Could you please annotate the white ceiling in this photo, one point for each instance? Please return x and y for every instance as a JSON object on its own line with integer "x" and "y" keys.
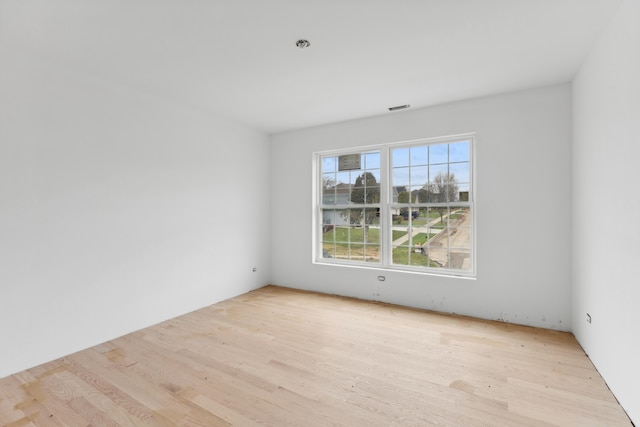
{"x": 238, "y": 59}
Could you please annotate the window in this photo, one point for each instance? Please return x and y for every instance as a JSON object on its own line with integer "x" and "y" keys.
{"x": 398, "y": 206}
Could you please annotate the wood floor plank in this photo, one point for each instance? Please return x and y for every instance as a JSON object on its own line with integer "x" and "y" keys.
{"x": 277, "y": 356}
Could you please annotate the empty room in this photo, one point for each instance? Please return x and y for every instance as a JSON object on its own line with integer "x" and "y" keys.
{"x": 313, "y": 213}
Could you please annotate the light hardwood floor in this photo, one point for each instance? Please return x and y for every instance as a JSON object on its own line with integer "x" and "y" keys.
{"x": 278, "y": 357}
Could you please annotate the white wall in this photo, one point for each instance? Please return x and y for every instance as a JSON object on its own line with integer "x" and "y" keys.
{"x": 117, "y": 210}
{"x": 606, "y": 206}
{"x": 523, "y": 208}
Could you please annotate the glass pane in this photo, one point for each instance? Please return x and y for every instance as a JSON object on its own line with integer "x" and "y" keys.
{"x": 372, "y": 253}
{"x": 341, "y": 234}
{"x": 419, "y": 155}
{"x": 372, "y": 161}
{"x": 460, "y": 237}
{"x": 329, "y": 196}
{"x": 400, "y": 157}
{"x": 459, "y": 151}
{"x": 418, "y": 194}
{"x": 329, "y": 189}
{"x": 460, "y": 259}
{"x": 399, "y": 227}
{"x": 341, "y": 217}
{"x": 367, "y": 179}
{"x": 438, "y": 153}
{"x": 356, "y": 216}
{"x": 329, "y": 164}
{"x": 328, "y": 180}
{"x": 372, "y": 195}
{"x": 375, "y": 176}
{"x": 358, "y": 234}
{"x": 372, "y": 216}
{"x": 460, "y": 217}
{"x": 356, "y": 252}
{"x": 463, "y": 192}
{"x": 438, "y": 248}
{"x": 400, "y": 255}
{"x": 438, "y": 217}
{"x": 342, "y": 193}
{"x": 421, "y": 219}
{"x": 328, "y": 250}
{"x": 328, "y": 216}
{"x": 356, "y": 178}
{"x": 419, "y": 175}
{"x": 459, "y": 172}
{"x": 400, "y": 195}
{"x": 400, "y": 177}
{"x": 342, "y": 178}
{"x": 438, "y": 172}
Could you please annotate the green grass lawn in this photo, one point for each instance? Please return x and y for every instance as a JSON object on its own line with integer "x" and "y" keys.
{"x": 407, "y": 256}
{"x": 396, "y": 234}
{"x": 421, "y": 238}
{"x": 342, "y": 235}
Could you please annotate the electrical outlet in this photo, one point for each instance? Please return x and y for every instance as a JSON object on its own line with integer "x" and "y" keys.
{"x": 588, "y": 318}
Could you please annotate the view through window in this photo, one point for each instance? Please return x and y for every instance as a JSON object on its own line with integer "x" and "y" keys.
{"x": 401, "y": 206}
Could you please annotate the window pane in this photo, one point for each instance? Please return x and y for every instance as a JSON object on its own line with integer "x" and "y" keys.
{"x": 419, "y": 175}
{"x": 459, "y": 171}
{"x": 365, "y": 189}
{"x": 418, "y": 194}
{"x": 372, "y": 161}
{"x": 419, "y": 155}
{"x": 328, "y": 250}
{"x": 341, "y": 234}
{"x": 400, "y": 177}
{"x": 406, "y": 255}
{"x": 438, "y": 249}
{"x": 400, "y": 195}
{"x": 356, "y": 252}
{"x": 460, "y": 260}
{"x": 356, "y": 178}
{"x": 438, "y": 171}
{"x": 375, "y": 176}
{"x": 341, "y": 217}
{"x": 329, "y": 164}
{"x": 438, "y": 153}
{"x": 342, "y": 178}
{"x": 328, "y": 216}
{"x": 438, "y": 217}
{"x": 328, "y": 189}
{"x": 372, "y": 194}
{"x": 399, "y": 157}
{"x": 372, "y": 216}
{"x": 356, "y": 216}
{"x": 459, "y": 151}
{"x": 460, "y": 230}
{"x": 372, "y": 253}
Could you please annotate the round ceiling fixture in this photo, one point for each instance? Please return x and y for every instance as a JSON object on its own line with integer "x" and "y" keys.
{"x": 302, "y": 43}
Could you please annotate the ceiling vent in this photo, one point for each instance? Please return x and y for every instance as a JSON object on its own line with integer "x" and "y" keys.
{"x": 399, "y": 107}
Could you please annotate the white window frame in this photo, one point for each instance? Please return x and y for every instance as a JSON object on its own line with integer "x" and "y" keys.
{"x": 386, "y": 204}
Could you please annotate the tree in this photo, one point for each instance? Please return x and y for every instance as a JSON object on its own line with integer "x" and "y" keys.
{"x": 328, "y": 183}
{"x": 443, "y": 188}
{"x": 365, "y": 191}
